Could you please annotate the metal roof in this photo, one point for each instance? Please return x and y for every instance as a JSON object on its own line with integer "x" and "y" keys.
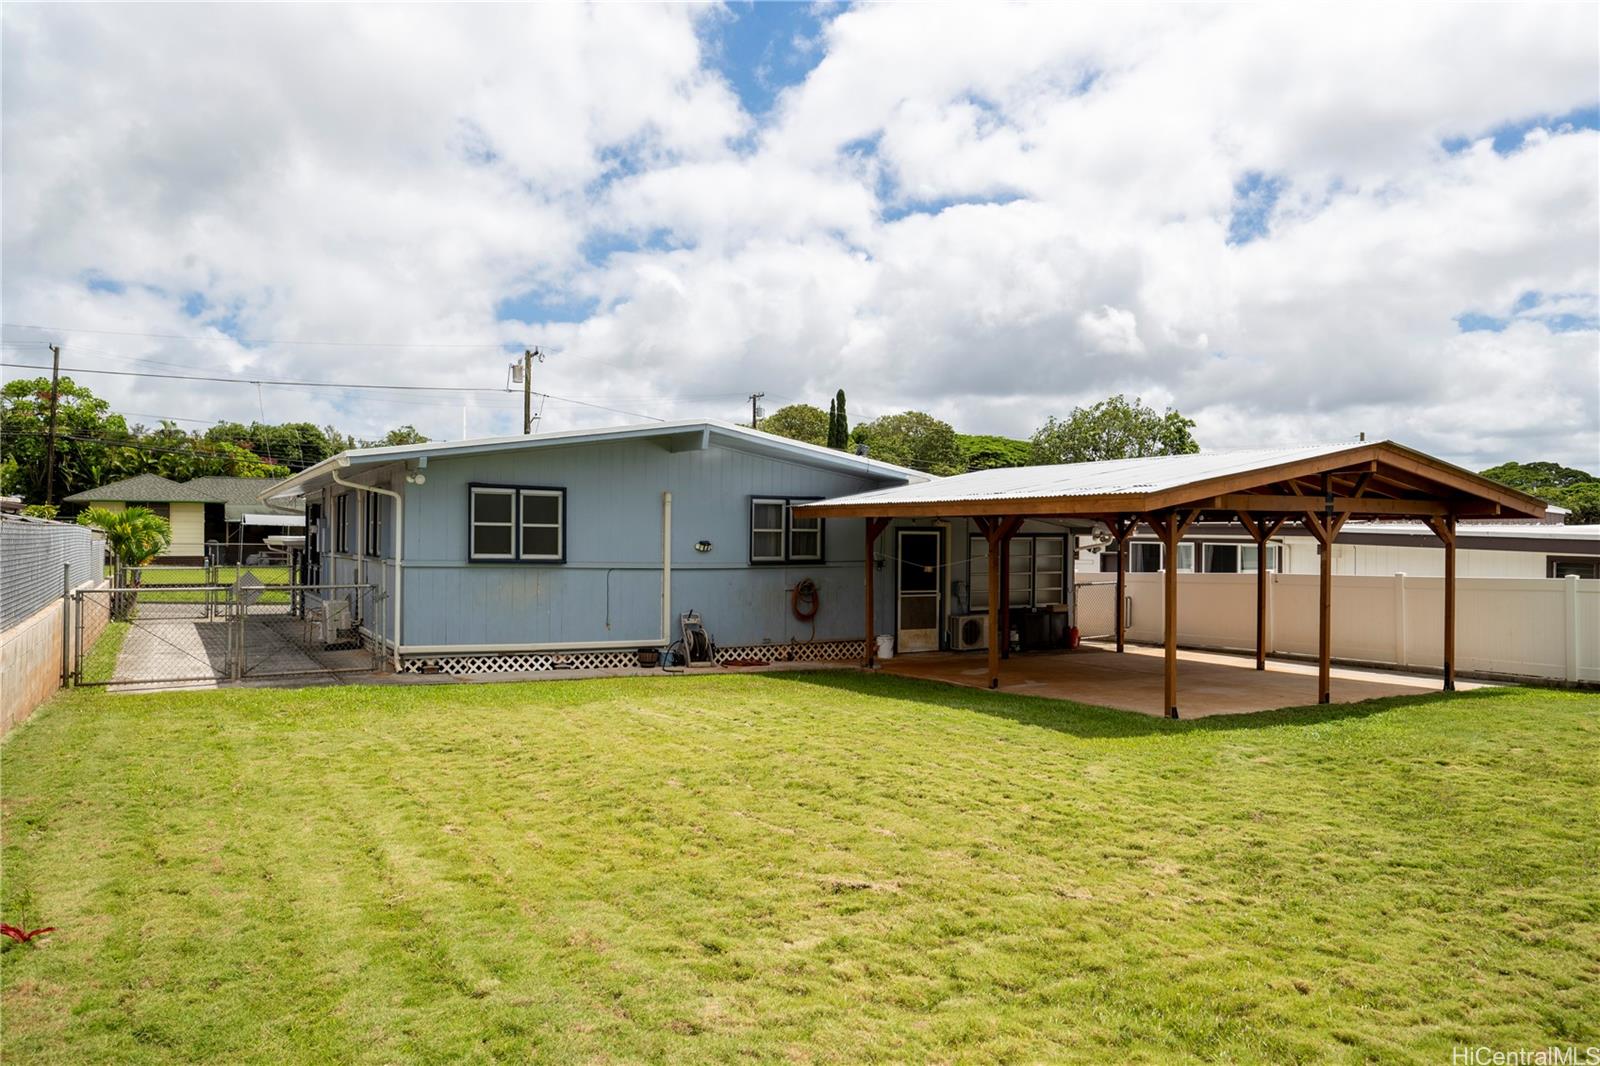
{"x": 735, "y": 435}
{"x": 1167, "y": 481}
{"x": 1115, "y": 477}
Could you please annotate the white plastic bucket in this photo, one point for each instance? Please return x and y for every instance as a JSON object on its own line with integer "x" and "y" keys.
{"x": 885, "y": 646}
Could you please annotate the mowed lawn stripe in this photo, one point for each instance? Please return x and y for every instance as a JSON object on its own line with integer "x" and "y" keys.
{"x": 828, "y": 867}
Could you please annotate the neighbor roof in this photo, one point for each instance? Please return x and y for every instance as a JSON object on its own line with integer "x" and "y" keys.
{"x": 153, "y": 488}
{"x": 689, "y": 433}
{"x": 142, "y": 488}
{"x": 1159, "y": 482}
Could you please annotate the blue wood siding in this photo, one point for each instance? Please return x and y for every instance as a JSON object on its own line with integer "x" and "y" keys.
{"x": 609, "y": 588}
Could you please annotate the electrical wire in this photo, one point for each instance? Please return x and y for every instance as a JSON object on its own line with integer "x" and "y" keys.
{"x": 281, "y": 383}
{"x": 496, "y": 345}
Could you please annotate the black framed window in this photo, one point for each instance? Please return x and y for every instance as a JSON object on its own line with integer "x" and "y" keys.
{"x": 516, "y": 524}
{"x": 778, "y": 535}
{"x": 541, "y": 523}
{"x": 341, "y": 523}
{"x": 1569, "y": 565}
{"x": 374, "y": 539}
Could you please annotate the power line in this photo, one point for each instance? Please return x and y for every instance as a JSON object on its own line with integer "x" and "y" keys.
{"x": 494, "y": 346}
{"x": 329, "y": 385}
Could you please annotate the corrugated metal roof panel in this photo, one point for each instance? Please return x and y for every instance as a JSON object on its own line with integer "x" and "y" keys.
{"x": 1111, "y": 478}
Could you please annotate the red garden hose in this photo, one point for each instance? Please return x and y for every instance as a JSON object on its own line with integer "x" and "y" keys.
{"x": 805, "y": 600}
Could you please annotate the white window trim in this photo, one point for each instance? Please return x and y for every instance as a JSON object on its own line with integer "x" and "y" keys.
{"x": 559, "y": 525}
{"x": 789, "y": 519}
{"x": 473, "y": 524}
{"x": 782, "y": 528}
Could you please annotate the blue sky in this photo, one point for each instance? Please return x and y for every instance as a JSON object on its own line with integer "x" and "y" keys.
{"x": 992, "y": 213}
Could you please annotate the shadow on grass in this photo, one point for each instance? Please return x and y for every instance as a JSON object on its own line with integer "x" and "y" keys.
{"x": 1090, "y": 720}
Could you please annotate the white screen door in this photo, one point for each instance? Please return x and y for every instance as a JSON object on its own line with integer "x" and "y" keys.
{"x": 917, "y": 609}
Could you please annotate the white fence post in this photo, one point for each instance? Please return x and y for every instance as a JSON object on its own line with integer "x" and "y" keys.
{"x": 1272, "y": 609}
{"x": 1572, "y": 626}
{"x": 1400, "y": 619}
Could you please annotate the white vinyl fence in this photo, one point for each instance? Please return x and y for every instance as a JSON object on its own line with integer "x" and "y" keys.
{"x": 1544, "y": 628}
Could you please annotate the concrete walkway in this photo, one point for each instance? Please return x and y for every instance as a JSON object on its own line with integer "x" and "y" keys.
{"x": 1208, "y": 682}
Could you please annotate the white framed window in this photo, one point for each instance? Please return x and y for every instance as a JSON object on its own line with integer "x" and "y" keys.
{"x": 778, "y": 535}
{"x": 517, "y": 523}
{"x": 1185, "y": 558}
{"x": 766, "y": 530}
{"x": 494, "y": 523}
{"x": 541, "y": 524}
{"x": 1247, "y": 558}
{"x": 805, "y": 537}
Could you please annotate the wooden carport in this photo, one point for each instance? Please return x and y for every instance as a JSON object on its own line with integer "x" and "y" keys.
{"x": 1320, "y": 487}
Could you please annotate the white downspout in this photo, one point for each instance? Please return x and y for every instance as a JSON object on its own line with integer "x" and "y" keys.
{"x": 666, "y": 568}
{"x": 399, "y": 551}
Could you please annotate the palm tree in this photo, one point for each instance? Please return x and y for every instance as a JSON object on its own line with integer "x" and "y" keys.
{"x": 135, "y": 535}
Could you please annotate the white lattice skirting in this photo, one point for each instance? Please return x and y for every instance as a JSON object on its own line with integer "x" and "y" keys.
{"x": 523, "y": 662}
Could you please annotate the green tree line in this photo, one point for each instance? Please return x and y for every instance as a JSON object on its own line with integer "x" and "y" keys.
{"x": 95, "y": 445}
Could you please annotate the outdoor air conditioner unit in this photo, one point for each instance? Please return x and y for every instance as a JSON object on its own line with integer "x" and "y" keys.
{"x": 969, "y": 632}
{"x": 333, "y": 622}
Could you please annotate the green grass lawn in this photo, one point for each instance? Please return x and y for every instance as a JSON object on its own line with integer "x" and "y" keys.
{"x": 151, "y": 579}
{"x": 826, "y": 867}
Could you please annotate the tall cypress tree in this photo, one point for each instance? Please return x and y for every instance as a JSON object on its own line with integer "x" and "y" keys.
{"x": 838, "y": 424}
{"x": 833, "y": 421}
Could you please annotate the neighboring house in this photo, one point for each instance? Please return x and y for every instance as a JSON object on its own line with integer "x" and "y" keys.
{"x": 1485, "y": 549}
{"x": 201, "y": 510}
{"x": 579, "y": 548}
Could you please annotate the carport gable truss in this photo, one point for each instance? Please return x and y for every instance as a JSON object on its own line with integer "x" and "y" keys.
{"x": 1320, "y": 487}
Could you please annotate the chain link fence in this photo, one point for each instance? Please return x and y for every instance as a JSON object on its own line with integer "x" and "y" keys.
{"x": 1097, "y": 609}
{"x": 162, "y": 633}
{"x": 32, "y": 554}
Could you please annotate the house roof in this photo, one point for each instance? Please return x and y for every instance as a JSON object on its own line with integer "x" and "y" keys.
{"x": 143, "y": 488}
{"x": 153, "y": 488}
{"x": 1392, "y": 472}
{"x": 677, "y": 436}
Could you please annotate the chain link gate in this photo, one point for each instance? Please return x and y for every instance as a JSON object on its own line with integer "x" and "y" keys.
{"x": 160, "y": 634}
{"x": 1096, "y": 603}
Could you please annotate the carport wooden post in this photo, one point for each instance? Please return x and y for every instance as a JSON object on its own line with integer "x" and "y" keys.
{"x": 1260, "y": 533}
{"x": 997, "y": 531}
{"x": 1444, "y": 527}
{"x": 1325, "y": 528}
{"x": 1170, "y": 528}
{"x": 1004, "y": 591}
{"x": 875, "y": 526}
{"x": 1120, "y": 529}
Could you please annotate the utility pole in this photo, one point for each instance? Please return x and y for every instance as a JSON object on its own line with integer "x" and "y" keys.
{"x": 50, "y": 448}
{"x": 755, "y": 409}
{"x": 526, "y": 376}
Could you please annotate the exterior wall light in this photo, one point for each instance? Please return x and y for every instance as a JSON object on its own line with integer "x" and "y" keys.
{"x": 702, "y": 546}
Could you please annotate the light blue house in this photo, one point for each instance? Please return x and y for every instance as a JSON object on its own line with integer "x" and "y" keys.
{"x": 580, "y": 548}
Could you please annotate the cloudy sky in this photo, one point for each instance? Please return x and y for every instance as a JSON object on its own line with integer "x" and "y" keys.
{"x": 1290, "y": 222}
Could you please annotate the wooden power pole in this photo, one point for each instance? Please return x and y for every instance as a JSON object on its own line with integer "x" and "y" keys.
{"x": 528, "y": 356}
{"x": 50, "y": 446}
{"x": 755, "y": 409}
